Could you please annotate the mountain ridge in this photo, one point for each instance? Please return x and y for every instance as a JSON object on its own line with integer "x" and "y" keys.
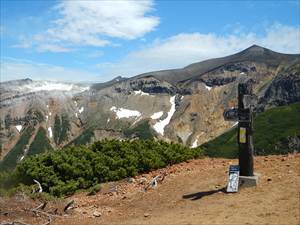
{"x": 115, "y": 108}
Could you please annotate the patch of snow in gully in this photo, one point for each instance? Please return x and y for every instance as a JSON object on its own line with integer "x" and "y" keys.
{"x": 50, "y": 132}
{"x": 208, "y": 87}
{"x": 195, "y": 144}
{"x": 81, "y": 109}
{"x": 19, "y": 127}
{"x": 125, "y": 113}
{"x": 140, "y": 92}
{"x": 157, "y": 115}
{"x": 159, "y": 127}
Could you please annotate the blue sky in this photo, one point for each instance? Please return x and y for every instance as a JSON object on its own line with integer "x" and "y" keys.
{"x": 99, "y": 40}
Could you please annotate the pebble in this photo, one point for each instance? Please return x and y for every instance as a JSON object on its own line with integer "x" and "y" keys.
{"x": 146, "y": 214}
{"x": 97, "y": 214}
{"x": 131, "y": 180}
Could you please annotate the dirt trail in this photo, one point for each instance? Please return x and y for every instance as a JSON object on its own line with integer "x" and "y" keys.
{"x": 192, "y": 193}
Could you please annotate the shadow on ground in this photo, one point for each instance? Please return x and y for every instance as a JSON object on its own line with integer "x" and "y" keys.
{"x": 199, "y": 195}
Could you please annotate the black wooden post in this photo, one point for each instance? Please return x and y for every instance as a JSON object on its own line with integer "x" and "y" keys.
{"x": 245, "y": 128}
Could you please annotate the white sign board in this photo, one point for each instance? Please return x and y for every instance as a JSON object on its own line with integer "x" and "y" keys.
{"x": 233, "y": 181}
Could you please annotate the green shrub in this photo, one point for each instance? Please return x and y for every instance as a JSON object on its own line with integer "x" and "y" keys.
{"x": 84, "y": 138}
{"x": 61, "y": 128}
{"x": 95, "y": 189}
{"x": 56, "y": 129}
{"x": 65, "y": 127}
{"x": 67, "y": 170}
{"x": 142, "y": 131}
{"x": 40, "y": 143}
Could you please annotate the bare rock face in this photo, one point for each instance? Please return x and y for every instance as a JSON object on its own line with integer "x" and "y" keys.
{"x": 184, "y": 105}
{"x": 285, "y": 87}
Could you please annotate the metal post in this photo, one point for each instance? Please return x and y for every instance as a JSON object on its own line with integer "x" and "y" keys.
{"x": 245, "y": 128}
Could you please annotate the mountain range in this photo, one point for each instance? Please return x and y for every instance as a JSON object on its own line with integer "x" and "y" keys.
{"x": 181, "y": 105}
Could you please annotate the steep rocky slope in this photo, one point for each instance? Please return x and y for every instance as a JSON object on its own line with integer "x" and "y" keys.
{"x": 184, "y": 105}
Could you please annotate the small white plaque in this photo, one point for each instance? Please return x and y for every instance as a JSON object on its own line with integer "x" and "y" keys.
{"x": 233, "y": 180}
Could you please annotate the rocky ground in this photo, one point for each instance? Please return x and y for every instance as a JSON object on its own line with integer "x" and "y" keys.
{"x": 187, "y": 193}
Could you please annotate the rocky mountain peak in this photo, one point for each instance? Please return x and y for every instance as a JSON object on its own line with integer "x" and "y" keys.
{"x": 255, "y": 49}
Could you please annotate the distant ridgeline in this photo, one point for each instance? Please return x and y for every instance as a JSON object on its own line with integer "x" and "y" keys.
{"x": 276, "y": 131}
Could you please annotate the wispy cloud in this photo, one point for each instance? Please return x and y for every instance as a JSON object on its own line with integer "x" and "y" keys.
{"x": 173, "y": 52}
{"x": 94, "y": 23}
{"x": 13, "y": 69}
{"x": 185, "y": 48}
{"x": 52, "y": 48}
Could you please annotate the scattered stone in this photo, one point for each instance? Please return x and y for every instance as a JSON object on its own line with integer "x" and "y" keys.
{"x": 69, "y": 205}
{"x": 97, "y": 214}
{"x": 269, "y": 179}
{"x": 143, "y": 180}
{"x": 131, "y": 180}
{"x": 146, "y": 214}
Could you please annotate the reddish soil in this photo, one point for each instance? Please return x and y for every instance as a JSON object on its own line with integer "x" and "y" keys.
{"x": 190, "y": 193}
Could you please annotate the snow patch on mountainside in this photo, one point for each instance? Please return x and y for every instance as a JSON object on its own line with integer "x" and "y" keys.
{"x": 124, "y": 113}
{"x": 157, "y": 115}
{"x": 19, "y": 127}
{"x": 81, "y": 109}
{"x": 140, "y": 92}
{"x": 50, "y": 132}
{"x": 195, "y": 144}
{"x": 208, "y": 87}
{"x": 159, "y": 127}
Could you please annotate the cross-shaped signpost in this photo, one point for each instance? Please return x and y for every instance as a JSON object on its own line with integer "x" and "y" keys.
{"x": 242, "y": 175}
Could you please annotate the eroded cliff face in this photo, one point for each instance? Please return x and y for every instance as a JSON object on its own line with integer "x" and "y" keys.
{"x": 188, "y": 110}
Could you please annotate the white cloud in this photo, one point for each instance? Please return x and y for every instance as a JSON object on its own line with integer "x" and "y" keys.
{"x": 52, "y": 48}
{"x": 93, "y": 23}
{"x": 13, "y": 69}
{"x": 186, "y": 48}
